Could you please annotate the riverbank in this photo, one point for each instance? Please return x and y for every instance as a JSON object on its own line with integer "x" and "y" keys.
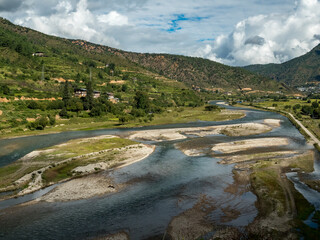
{"x": 170, "y": 116}
{"x": 245, "y": 129}
{"x": 73, "y": 159}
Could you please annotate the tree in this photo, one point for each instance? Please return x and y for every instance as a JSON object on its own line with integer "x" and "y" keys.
{"x": 123, "y": 119}
{"x": 296, "y": 106}
{"x": 211, "y": 108}
{"x": 315, "y": 104}
{"x": 64, "y": 113}
{"x": 287, "y": 107}
{"x": 5, "y": 90}
{"x": 89, "y": 97}
{"x": 142, "y": 101}
{"x": 316, "y": 113}
{"x": 66, "y": 95}
{"x": 38, "y": 124}
{"x": 112, "y": 66}
{"x": 52, "y": 119}
{"x": 306, "y": 110}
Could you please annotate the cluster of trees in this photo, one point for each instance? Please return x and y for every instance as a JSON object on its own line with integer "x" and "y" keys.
{"x": 42, "y": 122}
{"x": 4, "y": 89}
{"x": 15, "y": 42}
{"x": 212, "y": 108}
{"x": 312, "y": 110}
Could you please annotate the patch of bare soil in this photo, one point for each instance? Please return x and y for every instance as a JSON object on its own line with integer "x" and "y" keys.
{"x": 120, "y": 82}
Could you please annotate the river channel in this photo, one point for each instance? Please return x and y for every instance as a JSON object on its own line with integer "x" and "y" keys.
{"x": 161, "y": 187}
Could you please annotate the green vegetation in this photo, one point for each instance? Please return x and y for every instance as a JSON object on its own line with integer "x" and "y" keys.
{"x": 129, "y": 94}
{"x": 171, "y": 115}
{"x": 305, "y": 110}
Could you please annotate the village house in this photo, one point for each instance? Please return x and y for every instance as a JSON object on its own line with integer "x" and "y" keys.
{"x": 38, "y": 54}
{"x": 96, "y": 94}
{"x": 111, "y": 98}
{"x": 196, "y": 88}
{"x": 82, "y": 92}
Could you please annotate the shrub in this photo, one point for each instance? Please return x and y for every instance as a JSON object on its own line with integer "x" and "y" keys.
{"x": 123, "y": 119}
{"x": 52, "y": 120}
{"x": 211, "y": 108}
{"x": 64, "y": 113}
{"x": 39, "y": 124}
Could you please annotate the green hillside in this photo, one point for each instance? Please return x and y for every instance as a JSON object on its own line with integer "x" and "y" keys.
{"x": 44, "y": 76}
{"x": 295, "y": 72}
{"x": 39, "y": 75}
{"x": 199, "y": 72}
{"x": 70, "y": 59}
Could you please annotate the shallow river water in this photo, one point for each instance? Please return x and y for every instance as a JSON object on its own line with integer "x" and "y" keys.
{"x": 161, "y": 187}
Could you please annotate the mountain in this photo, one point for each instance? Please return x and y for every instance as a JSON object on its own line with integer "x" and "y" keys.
{"x": 70, "y": 59}
{"x": 295, "y": 72}
{"x": 198, "y": 71}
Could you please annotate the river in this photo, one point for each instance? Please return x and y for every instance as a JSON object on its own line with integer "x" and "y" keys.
{"x": 162, "y": 186}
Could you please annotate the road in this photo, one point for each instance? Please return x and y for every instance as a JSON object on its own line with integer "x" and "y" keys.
{"x": 314, "y": 138}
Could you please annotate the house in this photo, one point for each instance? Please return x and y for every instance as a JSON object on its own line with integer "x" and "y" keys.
{"x": 96, "y": 94}
{"x": 82, "y": 92}
{"x": 196, "y": 88}
{"x": 38, "y": 54}
{"x": 113, "y": 99}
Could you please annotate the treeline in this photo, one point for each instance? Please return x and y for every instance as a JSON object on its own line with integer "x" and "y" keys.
{"x": 312, "y": 110}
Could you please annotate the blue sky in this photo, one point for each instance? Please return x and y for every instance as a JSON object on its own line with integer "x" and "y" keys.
{"x": 229, "y": 31}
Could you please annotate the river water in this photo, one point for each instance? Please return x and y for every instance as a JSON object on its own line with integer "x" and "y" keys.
{"x": 162, "y": 186}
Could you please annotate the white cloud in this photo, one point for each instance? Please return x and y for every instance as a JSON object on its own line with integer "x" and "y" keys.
{"x": 78, "y": 23}
{"x": 275, "y": 33}
{"x": 64, "y": 6}
{"x": 113, "y": 19}
{"x": 272, "y": 38}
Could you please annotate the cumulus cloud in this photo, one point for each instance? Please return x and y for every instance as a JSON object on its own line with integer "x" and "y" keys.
{"x": 76, "y": 22}
{"x": 256, "y": 40}
{"x": 196, "y": 28}
{"x": 113, "y": 19}
{"x": 272, "y": 38}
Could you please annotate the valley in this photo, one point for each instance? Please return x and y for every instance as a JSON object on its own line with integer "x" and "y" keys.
{"x": 101, "y": 143}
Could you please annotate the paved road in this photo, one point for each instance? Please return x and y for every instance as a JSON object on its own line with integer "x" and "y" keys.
{"x": 314, "y": 138}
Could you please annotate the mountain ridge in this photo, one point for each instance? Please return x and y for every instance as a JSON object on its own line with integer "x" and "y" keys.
{"x": 188, "y": 70}
{"x": 297, "y": 71}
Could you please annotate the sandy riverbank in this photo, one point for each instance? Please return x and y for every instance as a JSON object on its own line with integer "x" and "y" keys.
{"x": 244, "y": 129}
{"x": 97, "y": 184}
{"x": 96, "y": 161}
{"x": 237, "y": 146}
{"x": 81, "y": 188}
{"x": 250, "y": 157}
